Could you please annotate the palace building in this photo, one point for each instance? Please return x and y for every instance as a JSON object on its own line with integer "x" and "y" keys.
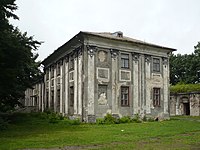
{"x": 98, "y": 73}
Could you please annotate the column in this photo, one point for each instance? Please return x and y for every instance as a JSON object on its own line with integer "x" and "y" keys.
{"x": 80, "y": 73}
{"x": 90, "y": 91}
{"x": 66, "y": 99}
{"x": 49, "y": 97}
{"x": 61, "y": 87}
{"x": 114, "y": 54}
{"x": 54, "y": 88}
{"x": 135, "y": 82}
{"x": 43, "y": 95}
{"x": 166, "y": 85}
{"x": 148, "y": 84}
{"x": 142, "y": 85}
{"x": 75, "y": 85}
{"x": 39, "y": 95}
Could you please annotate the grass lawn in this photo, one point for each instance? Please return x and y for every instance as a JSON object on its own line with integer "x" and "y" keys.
{"x": 29, "y": 131}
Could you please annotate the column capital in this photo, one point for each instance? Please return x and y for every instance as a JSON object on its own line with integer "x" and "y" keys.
{"x": 91, "y": 50}
{"x": 135, "y": 56}
{"x": 147, "y": 58}
{"x": 165, "y": 61}
{"x": 114, "y": 53}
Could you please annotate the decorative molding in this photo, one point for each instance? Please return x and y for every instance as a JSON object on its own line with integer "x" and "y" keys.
{"x": 66, "y": 58}
{"x": 103, "y": 74}
{"x": 80, "y": 52}
{"x": 135, "y": 56}
{"x": 102, "y": 56}
{"x": 148, "y": 58}
{"x": 91, "y": 50}
{"x": 165, "y": 61}
{"x": 125, "y": 75}
{"x": 114, "y": 53}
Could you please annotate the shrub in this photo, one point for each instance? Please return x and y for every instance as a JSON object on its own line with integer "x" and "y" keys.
{"x": 109, "y": 119}
{"x": 100, "y": 121}
{"x": 150, "y": 120}
{"x": 75, "y": 122}
{"x": 144, "y": 118}
{"x": 136, "y": 118}
{"x": 125, "y": 119}
{"x": 182, "y": 88}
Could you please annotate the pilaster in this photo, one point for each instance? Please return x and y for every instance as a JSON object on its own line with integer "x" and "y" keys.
{"x": 147, "y": 83}
{"x": 55, "y": 89}
{"x": 91, "y": 80}
{"x": 61, "y": 87}
{"x": 166, "y": 85}
{"x": 80, "y": 73}
{"x": 75, "y": 85}
{"x": 49, "y": 93}
{"x": 66, "y": 97}
{"x": 136, "y": 58}
{"x": 114, "y": 57}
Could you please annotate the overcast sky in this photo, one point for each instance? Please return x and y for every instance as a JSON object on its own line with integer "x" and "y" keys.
{"x": 171, "y": 23}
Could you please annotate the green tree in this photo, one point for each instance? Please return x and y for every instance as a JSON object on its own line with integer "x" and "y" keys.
{"x": 185, "y": 68}
{"x": 18, "y": 66}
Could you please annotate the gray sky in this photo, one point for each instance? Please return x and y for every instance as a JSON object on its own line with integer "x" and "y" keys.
{"x": 171, "y": 23}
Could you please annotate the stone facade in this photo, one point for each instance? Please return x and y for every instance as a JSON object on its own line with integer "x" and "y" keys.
{"x": 185, "y": 104}
{"x": 98, "y": 73}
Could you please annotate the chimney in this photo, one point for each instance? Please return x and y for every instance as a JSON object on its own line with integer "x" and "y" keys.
{"x": 118, "y": 34}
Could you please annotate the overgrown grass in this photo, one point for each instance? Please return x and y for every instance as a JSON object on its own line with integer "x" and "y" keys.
{"x": 32, "y": 131}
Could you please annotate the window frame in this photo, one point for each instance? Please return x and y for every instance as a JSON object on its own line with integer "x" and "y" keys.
{"x": 156, "y": 66}
{"x": 156, "y": 97}
{"x": 125, "y": 102}
{"x": 125, "y": 60}
{"x": 71, "y": 100}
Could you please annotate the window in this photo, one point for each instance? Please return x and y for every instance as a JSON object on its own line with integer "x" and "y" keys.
{"x": 71, "y": 63}
{"x": 52, "y": 82}
{"x": 47, "y": 75}
{"x": 52, "y": 99}
{"x": 156, "y": 97}
{"x": 52, "y": 72}
{"x": 156, "y": 64}
{"x": 58, "y": 100}
{"x": 124, "y": 96}
{"x": 58, "y": 69}
{"x": 71, "y": 96}
{"x": 124, "y": 60}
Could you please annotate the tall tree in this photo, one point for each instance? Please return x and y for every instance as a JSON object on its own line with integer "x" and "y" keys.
{"x": 185, "y": 68}
{"x": 18, "y": 66}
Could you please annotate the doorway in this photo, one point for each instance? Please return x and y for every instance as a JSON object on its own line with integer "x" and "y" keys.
{"x": 186, "y": 108}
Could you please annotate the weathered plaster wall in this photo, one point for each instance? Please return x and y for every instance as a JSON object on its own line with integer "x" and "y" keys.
{"x": 185, "y": 104}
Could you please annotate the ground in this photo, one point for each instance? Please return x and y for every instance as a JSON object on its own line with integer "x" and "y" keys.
{"x": 32, "y": 132}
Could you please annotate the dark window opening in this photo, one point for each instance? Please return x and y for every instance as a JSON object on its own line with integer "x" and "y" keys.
{"x": 124, "y": 96}
{"x": 52, "y": 99}
{"x": 156, "y": 64}
{"x": 71, "y": 96}
{"x": 124, "y": 61}
{"x": 156, "y": 97}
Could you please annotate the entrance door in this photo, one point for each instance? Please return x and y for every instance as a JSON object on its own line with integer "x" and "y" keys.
{"x": 186, "y": 108}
